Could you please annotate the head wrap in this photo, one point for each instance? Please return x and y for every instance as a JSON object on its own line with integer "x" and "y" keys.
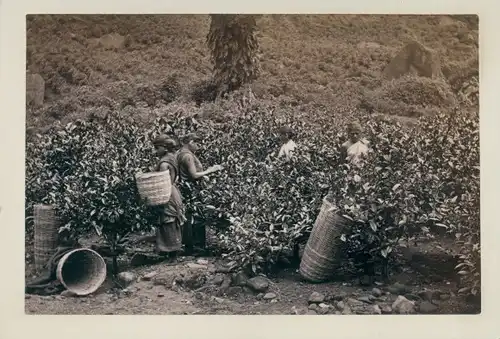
{"x": 190, "y": 137}
{"x": 165, "y": 141}
{"x": 354, "y": 127}
{"x": 286, "y": 131}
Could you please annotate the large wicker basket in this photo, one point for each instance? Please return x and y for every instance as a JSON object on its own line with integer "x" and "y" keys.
{"x": 46, "y": 235}
{"x": 154, "y": 187}
{"x": 82, "y": 271}
{"x": 320, "y": 258}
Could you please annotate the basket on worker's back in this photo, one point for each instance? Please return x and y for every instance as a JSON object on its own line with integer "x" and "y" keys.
{"x": 46, "y": 235}
{"x": 322, "y": 251}
{"x": 82, "y": 271}
{"x": 154, "y": 187}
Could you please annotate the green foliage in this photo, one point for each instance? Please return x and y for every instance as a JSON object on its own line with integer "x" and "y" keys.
{"x": 415, "y": 181}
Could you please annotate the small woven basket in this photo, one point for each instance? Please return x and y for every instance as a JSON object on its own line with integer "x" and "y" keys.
{"x": 154, "y": 187}
{"x": 320, "y": 258}
{"x": 82, "y": 271}
{"x": 46, "y": 235}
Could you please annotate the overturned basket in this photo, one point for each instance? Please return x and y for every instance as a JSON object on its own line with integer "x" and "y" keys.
{"x": 46, "y": 234}
{"x": 321, "y": 255}
{"x": 154, "y": 187}
{"x": 82, "y": 271}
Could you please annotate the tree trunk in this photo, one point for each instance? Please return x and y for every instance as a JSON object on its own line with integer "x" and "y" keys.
{"x": 234, "y": 50}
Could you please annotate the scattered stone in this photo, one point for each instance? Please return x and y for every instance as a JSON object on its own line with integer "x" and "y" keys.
{"x": 429, "y": 295}
{"x": 217, "y": 280}
{"x": 387, "y": 309}
{"x": 377, "y": 292}
{"x": 239, "y": 279}
{"x": 311, "y": 312}
{"x": 126, "y": 278}
{"x": 202, "y": 262}
{"x": 269, "y": 296}
{"x": 365, "y": 299}
{"x": 150, "y": 275}
{"x": 196, "y": 266}
{"x": 376, "y": 309}
{"x": 323, "y": 310}
{"x": 258, "y": 284}
{"x": 323, "y": 305}
{"x": 403, "y": 305}
{"x": 247, "y": 290}
{"x": 340, "y": 296}
{"x": 347, "y": 310}
{"x": 193, "y": 280}
{"x": 397, "y": 288}
{"x": 68, "y": 294}
{"x": 234, "y": 291}
{"x": 219, "y": 300}
{"x": 338, "y": 312}
{"x": 354, "y": 302}
{"x": 313, "y": 307}
{"x": 274, "y": 301}
{"x": 426, "y": 295}
{"x": 316, "y": 298}
{"x": 444, "y": 297}
{"x": 165, "y": 279}
{"x": 340, "y": 305}
{"x": 260, "y": 296}
{"x": 427, "y": 307}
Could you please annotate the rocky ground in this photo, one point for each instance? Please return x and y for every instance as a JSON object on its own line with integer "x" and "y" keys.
{"x": 204, "y": 286}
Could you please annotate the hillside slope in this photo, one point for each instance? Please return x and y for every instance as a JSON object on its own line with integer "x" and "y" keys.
{"x": 316, "y": 60}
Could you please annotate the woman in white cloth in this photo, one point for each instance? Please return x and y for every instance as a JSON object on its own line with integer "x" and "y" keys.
{"x": 356, "y": 146}
{"x": 288, "y": 147}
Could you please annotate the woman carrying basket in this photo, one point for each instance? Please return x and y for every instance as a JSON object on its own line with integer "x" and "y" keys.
{"x": 172, "y": 217}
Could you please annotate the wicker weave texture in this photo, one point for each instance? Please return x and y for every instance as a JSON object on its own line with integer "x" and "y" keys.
{"x": 320, "y": 258}
{"x": 155, "y": 187}
{"x": 46, "y": 235}
{"x": 82, "y": 271}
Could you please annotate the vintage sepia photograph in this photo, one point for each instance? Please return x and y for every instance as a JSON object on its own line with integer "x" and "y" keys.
{"x": 256, "y": 164}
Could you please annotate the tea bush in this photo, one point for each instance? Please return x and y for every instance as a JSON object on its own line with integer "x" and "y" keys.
{"x": 414, "y": 181}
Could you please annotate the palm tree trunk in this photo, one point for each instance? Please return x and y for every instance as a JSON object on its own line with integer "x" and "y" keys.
{"x": 234, "y": 50}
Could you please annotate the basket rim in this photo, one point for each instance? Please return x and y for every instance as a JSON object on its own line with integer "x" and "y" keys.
{"x": 143, "y": 175}
{"x": 62, "y": 261}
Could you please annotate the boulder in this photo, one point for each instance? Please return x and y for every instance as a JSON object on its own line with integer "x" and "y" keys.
{"x": 414, "y": 58}
{"x": 35, "y": 90}
{"x": 258, "y": 284}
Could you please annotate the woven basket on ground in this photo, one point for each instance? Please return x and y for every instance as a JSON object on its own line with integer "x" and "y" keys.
{"x": 155, "y": 187}
{"x": 46, "y": 235}
{"x": 82, "y": 271}
{"x": 320, "y": 258}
